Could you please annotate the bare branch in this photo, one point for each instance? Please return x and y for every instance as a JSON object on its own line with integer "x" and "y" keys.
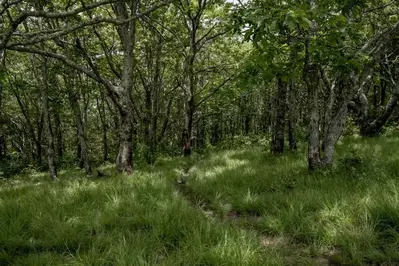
{"x": 380, "y": 7}
{"x": 44, "y": 14}
{"x": 214, "y": 91}
{"x": 5, "y": 5}
{"x": 210, "y": 38}
{"x": 56, "y": 34}
{"x": 60, "y": 57}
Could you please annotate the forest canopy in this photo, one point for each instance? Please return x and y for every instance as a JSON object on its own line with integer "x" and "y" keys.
{"x": 199, "y": 132}
{"x": 86, "y": 82}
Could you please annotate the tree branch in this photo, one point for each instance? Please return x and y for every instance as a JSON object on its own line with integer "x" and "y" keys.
{"x": 44, "y": 14}
{"x": 94, "y": 21}
{"x": 380, "y": 7}
{"x": 214, "y": 91}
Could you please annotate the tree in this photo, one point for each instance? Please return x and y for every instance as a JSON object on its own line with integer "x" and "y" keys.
{"x": 120, "y": 91}
{"x": 202, "y": 28}
{"x": 326, "y": 40}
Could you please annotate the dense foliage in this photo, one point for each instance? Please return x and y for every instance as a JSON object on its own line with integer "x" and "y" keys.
{"x": 276, "y": 108}
{"x": 134, "y": 79}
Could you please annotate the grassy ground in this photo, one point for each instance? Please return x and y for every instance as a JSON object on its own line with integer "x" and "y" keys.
{"x": 237, "y": 207}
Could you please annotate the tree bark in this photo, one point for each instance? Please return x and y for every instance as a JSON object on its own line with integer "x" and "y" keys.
{"x": 102, "y": 114}
{"x": 79, "y": 159}
{"x": 189, "y": 105}
{"x": 373, "y": 128}
{"x": 148, "y": 126}
{"x": 47, "y": 121}
{"x": 124, "y": 159}
{"x": 84, "y": 154}
{"x": 58, "y": 133}
{"x": 312, "y": 81}
{"x": 165, "y": 122}
{"x": 118, "y": 88}
{"x": 39, "y": 139}
{"x": 192, "y": 19}
{"x": 334, "y": 131}
{"x": 127, "y": 34}
{"x": 291, "y": 135}
{"x": 292, "y": 117}
{"x": 31, "y": 132}
{"x": 188, "y": 110}
{"x": 277, "y": 145}
{"x": 3, "y": 148}
{"x": 2, "y": 137}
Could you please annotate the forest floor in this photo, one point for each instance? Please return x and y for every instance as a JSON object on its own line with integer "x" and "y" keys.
{"x": 233, "y": 207}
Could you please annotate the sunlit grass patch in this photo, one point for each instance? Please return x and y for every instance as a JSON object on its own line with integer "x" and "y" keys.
{"x": 340, "y": 209}
{"x": 261, "y": 210}
{"x": 139, "y": 220}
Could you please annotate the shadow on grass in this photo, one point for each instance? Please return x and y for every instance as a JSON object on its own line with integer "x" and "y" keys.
{"x": 142, "y": 220}
{"x": 138, "y": 220}
{"x": 340, "y": 209}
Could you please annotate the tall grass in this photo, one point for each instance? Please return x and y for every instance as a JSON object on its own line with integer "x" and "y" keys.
{"x": 349, "y": 214}
{"x": 265, "y": 210}
{"x": 116, "y": 221}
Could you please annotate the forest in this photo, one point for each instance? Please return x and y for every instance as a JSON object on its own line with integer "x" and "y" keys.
{"x": 199, "y": 132}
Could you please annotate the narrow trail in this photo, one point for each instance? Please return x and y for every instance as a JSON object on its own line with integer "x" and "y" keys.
{"x": 240, "y": 221}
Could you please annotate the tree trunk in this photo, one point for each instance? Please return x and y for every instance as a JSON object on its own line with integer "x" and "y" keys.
{"x": 312, "y": 80}
{"x": 2, "y": 137}
{"x": 330, "y": 89}
{"x": 165, "y": 122}
{"x": 153, "y": 138}
{"x": 200, "y": 140}
{"x": 188, "y": 128}
{"x": 116, "y": 123}
{"x": 84, "y": 155}
{"x": 78, "y": 154}
{"x": 375, "y": 101}
{"x": 189, "y": 106}
{"x": 3, "y": 148}
{"x": 152, "y": 101}
{"x": 383, "y": 87}
{"x": 188, "y": 111}
{"x": 36, "y": 140}
{"x": 334, "y": 123}
{"x": 186, "y": 143}
{"x": 375, "y": 127}
{"x": 127, "y": 34}
{"x": 277, "y": 145}
{"x": 58, "y": 133}
{"x": 47, "y": 122}
{"x": 334, "y": 131}
{"x": 105, "y": 142}
{"x": 39, "y": 140}
{"x": 247, "y": 122}
{"x": 125, "y": 155}
{"x": 291, "y": 135}
{"x": 102, "y": 114}
{"x": 363, "y": 111}
{"x": 149, "y": 118}
{"x": 292, "y": 117}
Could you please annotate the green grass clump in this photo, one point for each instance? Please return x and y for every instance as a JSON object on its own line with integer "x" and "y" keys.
{"x": 237, "y": 207}
{"x": 349, "y": 214}
{"x": 139, "y": 220}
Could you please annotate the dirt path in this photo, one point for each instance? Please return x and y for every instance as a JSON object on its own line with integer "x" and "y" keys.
{"x": 241, "y": 221}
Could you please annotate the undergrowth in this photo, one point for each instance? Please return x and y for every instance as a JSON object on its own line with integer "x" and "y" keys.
{"x": 349, "y": 214}
{"x": 265, "y": 210}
